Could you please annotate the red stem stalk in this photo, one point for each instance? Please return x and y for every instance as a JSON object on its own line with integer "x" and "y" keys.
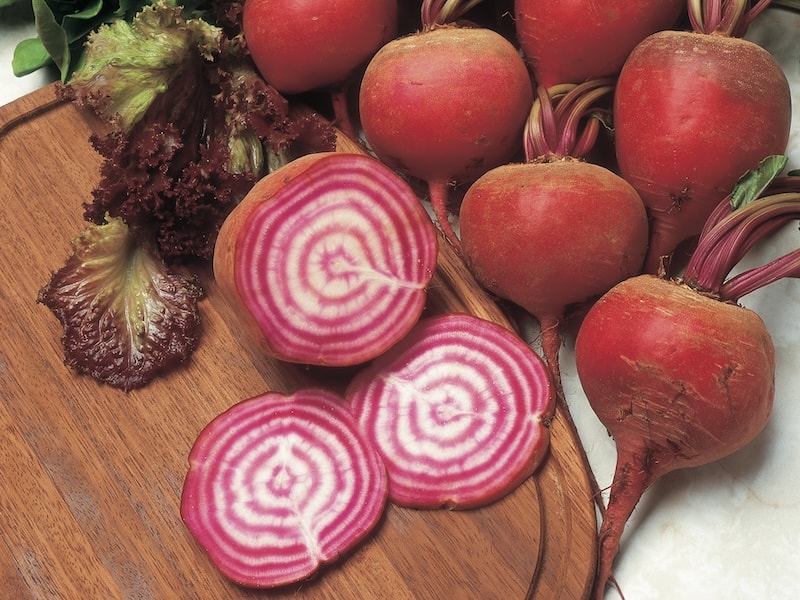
{"x": 725, "y": 241}
{"x": 724, "y": 17}
{"x": 439, "y": 12}
{"x": 564, "y": 120}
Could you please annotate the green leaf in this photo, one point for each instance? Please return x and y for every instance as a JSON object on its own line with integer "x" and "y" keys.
{"x": 76, "y": 25}
{"x": 52, "y": 35}
{"x": 753, "y": 183}
{"x": 4, "y": 3}
{"x": 29, "y": 56}
{"x": 131, "y": 64}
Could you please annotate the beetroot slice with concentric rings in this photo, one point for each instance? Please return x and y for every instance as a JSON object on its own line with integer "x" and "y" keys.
{"x": 279, "y": 485}
{"x": 457, "y": 410}
{"x": 329, "y": 259}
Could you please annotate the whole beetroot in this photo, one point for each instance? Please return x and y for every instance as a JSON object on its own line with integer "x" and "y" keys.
{"x": 693, "y": 110}
{"x": 557, "y": 230}
{"x": 429, "y": 107}
{"x": 678, "y": 372}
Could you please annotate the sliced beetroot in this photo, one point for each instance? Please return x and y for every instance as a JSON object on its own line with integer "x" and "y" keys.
{"x": 328, "y": 259}
{"x": 279, "y": 485}
{"x": 457, "y": 410}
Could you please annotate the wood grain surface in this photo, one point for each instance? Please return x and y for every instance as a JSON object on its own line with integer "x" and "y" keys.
{"x": 90, "y": 477}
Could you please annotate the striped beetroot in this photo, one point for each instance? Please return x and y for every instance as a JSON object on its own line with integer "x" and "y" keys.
{"x": 279, "y": 485}
{"x": 457, "y": 410}
{"x": 328, "y": 259}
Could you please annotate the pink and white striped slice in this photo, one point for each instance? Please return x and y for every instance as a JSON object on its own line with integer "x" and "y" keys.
{"x": 335, "y": 266}
{"x": 279, "y": 485}
{"x": 457, "y": 411}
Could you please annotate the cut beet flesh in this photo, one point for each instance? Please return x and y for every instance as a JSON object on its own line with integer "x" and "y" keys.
{"x": 329, "y": 259}
{"x": 279, "y": 485}
{"x": 457, "y": 411}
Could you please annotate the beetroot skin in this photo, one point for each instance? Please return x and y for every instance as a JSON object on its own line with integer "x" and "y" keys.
{"x": 679, "y": 379}
{"x": 571, "y": 41}
{"x": 692, "y": 113}
{"x": 547, "y": 235}
{"x": 300, "y": 46}
{"x": 429, "y": 105}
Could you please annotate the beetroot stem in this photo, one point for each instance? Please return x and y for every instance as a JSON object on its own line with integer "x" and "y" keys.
{"x": 439, "y": 12}
{"x": 553, "y": 128}
{"x": 732, "y": 15}
{"x": 540, "y": 127}
{"x": 751, "y": 14}
{"x": 580, "y": 102}
{"x": 787, "y": 265}
{"x": 725, "y": 17}
{"x": 721, "y": 247}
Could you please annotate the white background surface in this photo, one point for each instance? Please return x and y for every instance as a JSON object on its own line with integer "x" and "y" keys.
{"x": 730, "y": 530}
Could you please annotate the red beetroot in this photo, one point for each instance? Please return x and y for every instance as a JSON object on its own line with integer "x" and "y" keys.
{"x": 679, "y": 373}
{"x": 557, "y": 230}
{"x": 327, "y": 259}
{"x": 678, "y": 378}
{"x": 312, "y": 44}
{"x": 429, "y": 105}
{"x": 279, "y": 485}
{"x": 692, "y": 112}
{"x": 572, "y": 41}
{"x": 457, "y": 410}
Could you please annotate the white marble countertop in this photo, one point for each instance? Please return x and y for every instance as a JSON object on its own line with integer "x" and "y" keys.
{"x": 730, "y": 530}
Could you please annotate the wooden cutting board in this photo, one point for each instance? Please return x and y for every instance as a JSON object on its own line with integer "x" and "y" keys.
{"x": 91, "y": 477}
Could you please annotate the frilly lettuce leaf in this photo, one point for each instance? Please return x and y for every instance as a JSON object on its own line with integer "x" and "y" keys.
{"x": 189, "y": 121}
{"x": 127, "y": 65}
{"x": 62, "y": 27}
{"x": 126, "y": 317}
